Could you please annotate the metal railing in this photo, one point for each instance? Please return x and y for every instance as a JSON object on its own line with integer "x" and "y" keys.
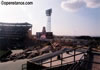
{"x": 61, "y": 64}
{"x": 24, "y": 66}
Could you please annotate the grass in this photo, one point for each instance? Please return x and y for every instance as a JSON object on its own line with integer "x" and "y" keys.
{"x": 2, "y": 52}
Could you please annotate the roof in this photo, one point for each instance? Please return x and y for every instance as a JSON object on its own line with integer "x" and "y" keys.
{"x": 15, "y": 24}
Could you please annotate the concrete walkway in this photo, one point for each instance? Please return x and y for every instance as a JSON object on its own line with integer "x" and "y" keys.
{"x": 11, "y": 65}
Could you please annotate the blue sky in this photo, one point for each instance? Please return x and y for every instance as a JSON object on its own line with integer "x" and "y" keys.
{"x": 69, "y": 17}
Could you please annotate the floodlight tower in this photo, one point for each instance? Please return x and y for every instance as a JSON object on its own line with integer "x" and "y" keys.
{"x": 48, "y": 14}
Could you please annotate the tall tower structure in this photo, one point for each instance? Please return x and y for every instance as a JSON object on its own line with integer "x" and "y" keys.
{"x": 48, "y": 14}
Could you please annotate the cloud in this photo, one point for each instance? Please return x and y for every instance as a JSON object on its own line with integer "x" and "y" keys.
{"x": 92, "y": 3}
{"x": 72, "y": 5}
{"x": 75, "y": 5}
